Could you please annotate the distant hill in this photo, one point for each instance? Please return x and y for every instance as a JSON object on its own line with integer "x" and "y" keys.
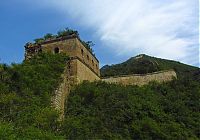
{"x": 142, "y": 64}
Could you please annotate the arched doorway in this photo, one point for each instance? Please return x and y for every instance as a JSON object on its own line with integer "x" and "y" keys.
{"x": 56, "y": 50}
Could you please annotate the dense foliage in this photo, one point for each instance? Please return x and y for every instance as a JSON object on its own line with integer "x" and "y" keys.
{"x": 25, "y": 98}
{"x": 61, "y": 33}
{"x": 156, "y": 111}
{"x": 143, "y": 64}
{"x": 96, "y": 110}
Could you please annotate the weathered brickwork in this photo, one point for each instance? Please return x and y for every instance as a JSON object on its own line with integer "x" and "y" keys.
{"x": 83, "y": 72}
{"x": 142, "y": 79}
{"x": 70, "y": 45}
{"x": 83, "y": 65}
{"x": 61, "y": 93}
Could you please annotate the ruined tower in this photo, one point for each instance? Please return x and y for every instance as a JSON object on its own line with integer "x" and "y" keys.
{"x": 83, "y": 65}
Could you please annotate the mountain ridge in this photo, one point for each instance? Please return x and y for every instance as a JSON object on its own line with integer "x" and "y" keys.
{"x": 142, "y": 64}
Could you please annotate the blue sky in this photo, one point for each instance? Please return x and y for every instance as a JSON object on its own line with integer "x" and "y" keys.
{"x": 120, "y": 29}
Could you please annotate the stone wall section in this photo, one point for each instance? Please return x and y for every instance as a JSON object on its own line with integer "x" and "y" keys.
{"x": 75, "y": 72}
{"x": 67, "y": 47}
{"x": 63, "y": 90}
{"x": 83, "y": 65}
{"x": 87, "y": 57}
{"x": 142, "y": 79}
{"x": 84, "y": 73}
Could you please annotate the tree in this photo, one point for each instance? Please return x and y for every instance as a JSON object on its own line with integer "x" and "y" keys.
{"x": 67, "y": 32}
{"x": 88, "y": 45}
{"x": 39, "y": 40}
{"x": 48, "y": 36}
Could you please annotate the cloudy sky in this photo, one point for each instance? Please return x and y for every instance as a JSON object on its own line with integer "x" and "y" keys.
{"x": 119, "y": 28}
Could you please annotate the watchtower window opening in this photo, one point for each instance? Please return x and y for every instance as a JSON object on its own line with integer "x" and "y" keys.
{"x": 82, "y": 52}
{"x": 92, "y": 62}
{"x": 88, "y": 57}
{"x": 56, "y": 50}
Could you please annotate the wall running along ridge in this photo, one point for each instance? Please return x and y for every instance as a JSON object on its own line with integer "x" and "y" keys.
{"x": 142, "y": 79}
{"x": 83, "y": 65}
{"x": 75, "y": 72}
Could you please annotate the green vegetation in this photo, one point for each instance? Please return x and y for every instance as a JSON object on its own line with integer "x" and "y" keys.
{"x": 96, "y": 110}
{"x": 61, "y": 33}
{"x": 88, "y": 46}
{"x": 25, "y": 98}
{"x": 143, "y": 64}
{"x": 39, "y": 40}
{"x": 67, "y": 32}
{"x": 49, "y": 36}
{"x": 64, "y": 33}
{"x": 155, "y": 111}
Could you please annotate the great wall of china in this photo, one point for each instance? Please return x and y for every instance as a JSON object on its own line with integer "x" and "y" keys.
{"x": 83, "y": 65}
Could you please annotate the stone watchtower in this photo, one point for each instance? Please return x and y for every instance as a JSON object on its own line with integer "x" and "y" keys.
{"x": 83, "y": 64}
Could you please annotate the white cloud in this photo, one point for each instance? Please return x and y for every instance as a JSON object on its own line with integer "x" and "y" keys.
{"x": 163, "y": 28}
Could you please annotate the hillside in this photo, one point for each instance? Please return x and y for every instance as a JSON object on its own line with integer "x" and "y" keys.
{"x": 25, "y": 98}
{"x": 96, "y": 110}
{"x": 155, "y": 111}
{"x": 142, "y": 64}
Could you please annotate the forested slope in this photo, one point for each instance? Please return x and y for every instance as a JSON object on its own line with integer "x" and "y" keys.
{"x": 96, "y": 110}
{"x": 155, "y": 111}
{"x": 25, "y": 98}
{"x": 143, "y": 64}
